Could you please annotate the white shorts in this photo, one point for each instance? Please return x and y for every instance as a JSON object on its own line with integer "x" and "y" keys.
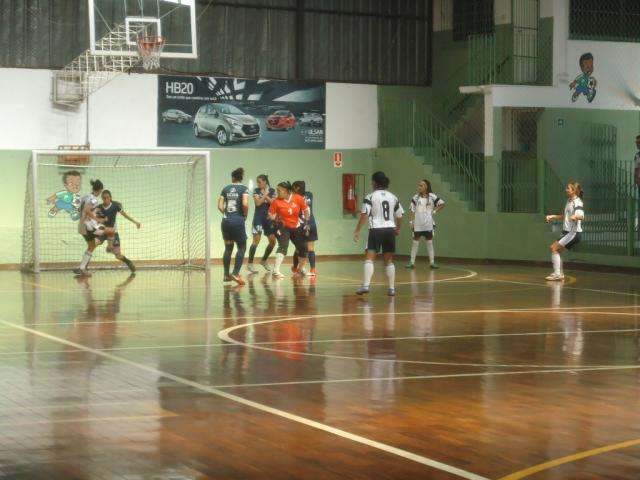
{"x": 92, "y": 226}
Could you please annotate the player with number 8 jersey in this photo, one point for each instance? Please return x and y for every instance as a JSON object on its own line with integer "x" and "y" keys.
{"x": 384, "y": 213}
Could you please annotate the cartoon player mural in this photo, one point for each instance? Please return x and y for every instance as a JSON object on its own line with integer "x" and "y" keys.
{"x": 584, "y": 83}
{"x": 67, "y": 200}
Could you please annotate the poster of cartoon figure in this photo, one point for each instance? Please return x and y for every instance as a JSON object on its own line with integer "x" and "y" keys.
{"x": 584, "y": 84}
{"x": 68, "y": 199}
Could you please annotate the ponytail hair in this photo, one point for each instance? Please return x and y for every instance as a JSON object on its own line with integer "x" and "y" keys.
{"x": 265, "y": 178}
{"x": 96, "y": 185}
{"x": 286, "y": 185}
{"x": 380, "y": 180}
{"x": 237, "y": 174}
{"x": 299, "y": 186}
{"x": 577, "y": 188}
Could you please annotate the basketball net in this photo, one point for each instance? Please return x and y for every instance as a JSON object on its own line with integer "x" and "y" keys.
{"x": 150, "y": 49}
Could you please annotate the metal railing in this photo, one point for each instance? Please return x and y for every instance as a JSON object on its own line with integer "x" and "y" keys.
{"x": 514, "y": 58}
{"x": 518, "y": 182}
{"x": 408, "y": 125}
{"x": 610, "y": 221}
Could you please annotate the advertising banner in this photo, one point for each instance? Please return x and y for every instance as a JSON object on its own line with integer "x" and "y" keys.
{"x": 210, "y": 112}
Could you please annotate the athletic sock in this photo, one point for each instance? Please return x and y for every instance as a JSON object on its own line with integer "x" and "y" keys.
{"x": 128, "y": 263}
{"x": 278, "y": 262}
{"x": 242, "y": 247}
{"x": 390, "y": 270}
{"x": 312, "y": 259}
{"x": 296, "y": 259}
{"x": 368, "y": 273}
{"x": 252, "y": 252}
{"x": 432, "y": 255}
{"x": 86, "y": 258}
{"x": 226, "y": 259}
{"x": 556, "y": 260}
{"x": 414, "y": 250}
{"x": 267, "y": 252}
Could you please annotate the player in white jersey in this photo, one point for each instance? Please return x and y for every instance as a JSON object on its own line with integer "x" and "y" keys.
{"x": 90, "y": 226}
{"x": 571, "y": 228}
{"x": 384, "y": 213}
{"x": 424, "y": 205}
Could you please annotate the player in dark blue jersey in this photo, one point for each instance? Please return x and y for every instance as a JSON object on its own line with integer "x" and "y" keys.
{"x": 233, "y": 203}
{"x": 107, "y": 213}
{"x": 262, "y": 196}
{"x": 310, "y": 228}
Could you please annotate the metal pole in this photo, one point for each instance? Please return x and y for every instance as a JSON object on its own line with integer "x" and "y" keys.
{"x": 207, "y": 210}
{"x": 36, "y": 213}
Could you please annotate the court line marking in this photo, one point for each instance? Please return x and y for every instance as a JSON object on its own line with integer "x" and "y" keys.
{"x": 546, "y": 285}
{"x": 337, "y": 340}
{"x": 568, "y": 459}
{"x": 470, "y": 274}
{"x": 577, "y": 369}
{"x": 336, "y": 315}
{"x": 262, "y": 407}
{"x": 225, "y": 336}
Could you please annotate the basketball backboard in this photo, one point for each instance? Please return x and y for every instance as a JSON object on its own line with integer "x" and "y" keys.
{"x": 173, "y": 19}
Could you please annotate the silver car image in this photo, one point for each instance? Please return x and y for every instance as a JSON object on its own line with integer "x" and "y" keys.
{"x": 173, "y": 115}
{"x": 311, "y": 119}
{"x": 226, "y": 122}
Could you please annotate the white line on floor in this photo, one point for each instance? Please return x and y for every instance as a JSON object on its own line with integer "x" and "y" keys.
{"x": 264, "y": 408}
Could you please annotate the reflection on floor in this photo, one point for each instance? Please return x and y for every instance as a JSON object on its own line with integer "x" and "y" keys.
{"x": 469, "y": 372}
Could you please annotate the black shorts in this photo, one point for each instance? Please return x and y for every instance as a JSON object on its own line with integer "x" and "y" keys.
{"x": 313, "y": 233}
{"x": 382, "y": 239}
{"x": 263, "y": 227}
{"x": 569, "y": 240}
{"x": 428, "y": 234}
{"x": 89, "y": 236}
{"x": 233, "y": 231}
{"x": 296, "y": 236}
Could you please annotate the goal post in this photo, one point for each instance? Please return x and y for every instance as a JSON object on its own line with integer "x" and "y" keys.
{"x": 167, "y": 191}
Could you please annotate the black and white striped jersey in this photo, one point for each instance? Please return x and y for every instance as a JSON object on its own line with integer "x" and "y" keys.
{"x": 382, "y": 207}
{"x": 573, "y": 207}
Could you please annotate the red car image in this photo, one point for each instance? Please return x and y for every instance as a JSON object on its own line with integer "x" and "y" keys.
{"x": 281, "y": 120}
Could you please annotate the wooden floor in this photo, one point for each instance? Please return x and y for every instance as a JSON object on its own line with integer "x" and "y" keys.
{"x": 474, "y": 371}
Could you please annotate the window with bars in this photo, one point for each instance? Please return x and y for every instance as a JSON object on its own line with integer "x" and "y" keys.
{"x": 472, "y": 17}
{"x": 613, "y": 20}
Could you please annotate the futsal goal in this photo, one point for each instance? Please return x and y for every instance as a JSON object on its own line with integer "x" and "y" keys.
{"x": 166, "y": 191}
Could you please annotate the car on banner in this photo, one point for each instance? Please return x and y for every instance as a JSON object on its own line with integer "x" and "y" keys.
{"x": 226, "y": 122}
{"x": 312, "y": 119}
{"x": 173, "y": 115}
{"x": 281, "y": 120}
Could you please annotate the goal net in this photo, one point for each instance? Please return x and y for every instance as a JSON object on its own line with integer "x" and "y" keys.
{"x": 166, "y": 191}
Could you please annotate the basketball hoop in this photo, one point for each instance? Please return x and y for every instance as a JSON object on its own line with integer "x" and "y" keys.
{"x": 150, "y": 49}
{"x": 75, "y": 159}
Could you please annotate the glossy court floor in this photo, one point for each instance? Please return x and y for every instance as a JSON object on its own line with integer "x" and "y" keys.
{"x": 472, "y": 371}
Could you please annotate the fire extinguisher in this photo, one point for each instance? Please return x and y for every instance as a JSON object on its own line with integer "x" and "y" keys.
{"x": 349, "y": 200}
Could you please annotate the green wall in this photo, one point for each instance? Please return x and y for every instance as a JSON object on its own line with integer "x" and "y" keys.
{"x": 313, "y": 166}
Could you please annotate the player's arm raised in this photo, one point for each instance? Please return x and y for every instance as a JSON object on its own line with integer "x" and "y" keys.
{"x": 131, "y": 219}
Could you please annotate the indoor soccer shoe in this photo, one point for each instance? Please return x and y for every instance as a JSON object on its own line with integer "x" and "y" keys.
{"x": 555, "y": 277}
{"x": 312, "y": 273}
{"x": 362, "y": 290}
{"x": 391, "y": 292}
{"x": 251, "y": 267}
{"x": 227, "y": 278}
{"x": 410, "y": 265}
{"x": 81, "y": 272}
{"x": 266, "y": 266}
{"x": 277, "y": 275}
{"x": 238, "y": 279}
{"x": 433, "y": 266}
